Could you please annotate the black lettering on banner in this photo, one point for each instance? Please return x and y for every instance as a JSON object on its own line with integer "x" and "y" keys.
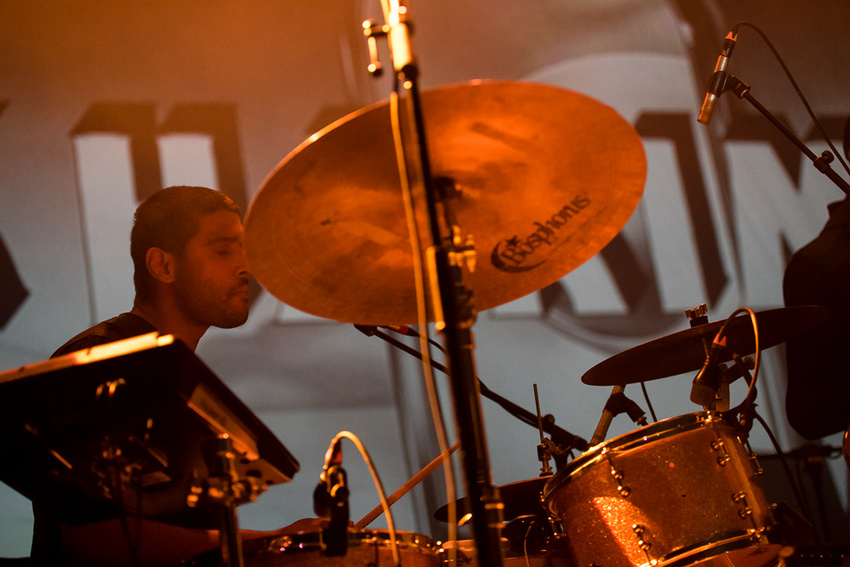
{"x": 13, "y": 293}
{"x": 832, "y": 125}
{"x": 677, "y": 129}
{"x": 12, "y": 290}
{"x": 136, "y": 121}
{"x": 635, "y": 281}
{"x": 219, "y": 122}
{"x": 756, "y": 128}
{"x": 638, "y": 289}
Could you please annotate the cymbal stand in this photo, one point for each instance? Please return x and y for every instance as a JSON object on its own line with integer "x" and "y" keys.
{"x": 561, "y": 442}
{"x": 544, "y": 450}
{"x": 453, "y": 305}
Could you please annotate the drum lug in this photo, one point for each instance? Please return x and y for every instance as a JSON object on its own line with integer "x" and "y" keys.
{"x": 617, "y": 475}
{"x": 746, "y": 513}
{"x": 621, "y": 488}
{"x": 720, "y": 445}
{"x": 757, "y": 536}
{"x": 754, "y": 460}
{"x": 643, "y": 544}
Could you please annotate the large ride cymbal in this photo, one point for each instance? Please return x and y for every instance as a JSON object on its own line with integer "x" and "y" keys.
{"x": 685, "y": 351}
{"x": 544, "y": 178}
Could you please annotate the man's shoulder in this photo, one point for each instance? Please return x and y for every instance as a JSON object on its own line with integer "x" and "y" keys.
{"x": 121, "y": 327}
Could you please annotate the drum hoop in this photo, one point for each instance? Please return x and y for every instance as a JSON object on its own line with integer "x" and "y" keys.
{"x": 689, "y": 555}
{"x": 645, "y": 435}
{"x": 312, "y": 541}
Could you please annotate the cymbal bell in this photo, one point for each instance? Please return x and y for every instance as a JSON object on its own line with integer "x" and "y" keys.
{"x": 542, "y": 178}
{"x": 684, "y": 351}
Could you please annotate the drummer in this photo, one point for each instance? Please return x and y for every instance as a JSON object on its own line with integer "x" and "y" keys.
{"x": 190, "y": 274}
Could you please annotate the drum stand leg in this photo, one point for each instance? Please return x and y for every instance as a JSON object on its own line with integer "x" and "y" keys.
{"x": 231, "y": 543}
{"x": 222, "y": 490}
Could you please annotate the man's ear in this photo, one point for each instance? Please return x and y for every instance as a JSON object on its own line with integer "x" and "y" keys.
{"x": 160, "y": 264}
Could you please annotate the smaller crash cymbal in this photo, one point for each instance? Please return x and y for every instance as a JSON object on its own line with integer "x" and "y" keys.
{"x": 684, "y": 351}
{"x": 521, "y": 498}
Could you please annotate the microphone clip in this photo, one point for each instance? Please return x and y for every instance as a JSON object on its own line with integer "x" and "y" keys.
{"x": 330, "y": 500}
{"x": 707, "y": 382}
{"x": 335, "y": 534}
{"x": 619, "y": 403}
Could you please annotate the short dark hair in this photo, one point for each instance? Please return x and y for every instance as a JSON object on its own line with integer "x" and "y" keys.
{"x": 168, "y": 219}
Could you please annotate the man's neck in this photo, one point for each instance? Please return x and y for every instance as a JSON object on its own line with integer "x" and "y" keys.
{"x": 167, "y": 322}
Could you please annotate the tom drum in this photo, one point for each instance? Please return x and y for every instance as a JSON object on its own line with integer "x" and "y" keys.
{"x": 677, "y": 492}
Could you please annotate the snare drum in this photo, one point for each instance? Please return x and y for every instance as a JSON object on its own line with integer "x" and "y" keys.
{"x": 674, "y": 493}
{"x": 369, "y": 548}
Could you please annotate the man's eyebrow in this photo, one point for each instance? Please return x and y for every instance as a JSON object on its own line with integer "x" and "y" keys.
{"x": 218, "y": 239}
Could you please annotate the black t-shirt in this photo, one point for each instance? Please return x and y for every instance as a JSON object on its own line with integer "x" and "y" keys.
{"x": 818, "y": 397}
{"x": 123, "y": 326}
{"x": 51, "y": 506}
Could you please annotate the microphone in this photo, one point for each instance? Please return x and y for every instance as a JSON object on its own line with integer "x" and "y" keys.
{"x": 617, "y": 403}
{"x": 707, "y": 381}
{"x": 607, "y": 417}
{"x": 717, "y": 84}
{"x": 330, "y": 500}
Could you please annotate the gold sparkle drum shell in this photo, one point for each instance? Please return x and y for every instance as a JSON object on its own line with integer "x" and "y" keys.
{"x": 677, "y": 492}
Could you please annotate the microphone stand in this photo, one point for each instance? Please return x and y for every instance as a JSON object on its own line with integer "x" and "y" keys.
{"x": 821, "y": 163}
{"x": 454, "y": 301}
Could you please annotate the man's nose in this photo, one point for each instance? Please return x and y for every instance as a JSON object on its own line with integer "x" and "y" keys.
{"x": 242, "y": 262}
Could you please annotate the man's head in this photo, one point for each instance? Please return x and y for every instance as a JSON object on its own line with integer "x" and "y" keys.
{"x": 188, "y": 241}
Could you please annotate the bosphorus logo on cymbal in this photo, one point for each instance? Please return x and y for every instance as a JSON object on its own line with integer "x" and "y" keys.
{"x": 514, "y": 254}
